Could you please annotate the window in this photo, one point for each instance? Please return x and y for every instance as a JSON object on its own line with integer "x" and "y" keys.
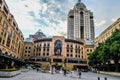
{"x": 9, "y": 38}
{"x": 43, "y": 54}
{"x": 67, "y": 55}
{"x": 28, "y": 51}
{"x": 90, "y": 50}
{"x": 25, "y": 51}
{"x": 47, "y": 54}
{"x": 44, "y": 49}
{"x": 29, "y": 47}
{"x": 67, "y": 45}
{"x": 5, "y": 9}
{"x": 67, "y": 50}
{"x": 0, "y": 19}
{"x": 75, "y": 51}
{"x": 3, "y": 42}
{"x": 75, "y": 55}
{"x": 87, "y": 50}
{"x": 5, "y": 25}
{"x": 0, "y": 39}
{"x": 71, "y": 50}
{"x": 26, "y": 47}
{"x": 44, "y": 45}
{"x": 48, "y": 49}
{"x": 48, "y": 45}
{"x": 39, "y": 49}
{"x": 71, "y": 55}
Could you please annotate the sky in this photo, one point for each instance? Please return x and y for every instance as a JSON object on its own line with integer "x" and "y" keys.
{"x": 51, "y": 15}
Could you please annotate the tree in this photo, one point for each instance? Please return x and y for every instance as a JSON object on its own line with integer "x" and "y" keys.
{"x": 113, "y": 43}
{"x": 107, "y": 51}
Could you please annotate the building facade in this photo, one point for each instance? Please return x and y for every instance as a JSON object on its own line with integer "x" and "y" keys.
{"x": 107, "y": 33}
{"x": 11, "y": 38}
{"x": 59, "y": 50}
{"x": 80, "y": 23}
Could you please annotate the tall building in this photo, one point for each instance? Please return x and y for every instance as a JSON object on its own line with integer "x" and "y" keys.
{"x": 80, "y": 23}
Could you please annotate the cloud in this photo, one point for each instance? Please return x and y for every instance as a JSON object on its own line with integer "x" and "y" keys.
{"x": 51, "y": 15}
{"x": 100, "y": 24}
{"x": 113, "y": 19}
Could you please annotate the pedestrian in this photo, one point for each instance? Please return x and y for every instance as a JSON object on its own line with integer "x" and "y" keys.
{"x": 65, "y": 72}
{"x": 79, "y": 74}
{"x": 37, "y": 69}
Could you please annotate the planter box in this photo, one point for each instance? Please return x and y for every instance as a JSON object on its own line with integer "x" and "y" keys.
{"x": 9, "y": 74}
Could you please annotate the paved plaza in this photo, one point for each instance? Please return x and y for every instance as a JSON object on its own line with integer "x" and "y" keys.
{"x": 33, "y": 75}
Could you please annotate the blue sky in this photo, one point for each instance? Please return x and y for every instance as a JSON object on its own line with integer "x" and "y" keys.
{"x": 51, "y": 15}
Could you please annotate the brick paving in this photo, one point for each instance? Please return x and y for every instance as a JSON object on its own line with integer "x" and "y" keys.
{"x": 33, "y": 75}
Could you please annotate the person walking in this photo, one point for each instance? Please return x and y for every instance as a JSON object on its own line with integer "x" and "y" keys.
{"x": 65, "y": 72}
{"x": 79, "y": 73}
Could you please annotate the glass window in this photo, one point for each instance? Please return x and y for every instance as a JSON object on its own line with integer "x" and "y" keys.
{"x": 43, "y": 54}
{"x": 5, "y": 25}
{"x": 71, "y": 55}
{"x": 48, "y": 49}
{"x": 67, "y": 55}
{"x": 28, "y": 51}
{"x": 47, "y": 54}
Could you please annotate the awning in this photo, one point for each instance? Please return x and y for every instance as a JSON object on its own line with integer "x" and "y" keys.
{"x": 10, "y": 57}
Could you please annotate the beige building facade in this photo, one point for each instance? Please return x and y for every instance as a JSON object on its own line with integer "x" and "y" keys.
{"x": 11, "y": 38}
{"x": 107, "y": 33}
{"x": 59, "y": 50}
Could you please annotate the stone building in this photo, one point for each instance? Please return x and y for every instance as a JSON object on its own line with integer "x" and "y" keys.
{"x": 80, "y": 23}
{"x": 107, "y": 33}
{"x": 11, "y": 37}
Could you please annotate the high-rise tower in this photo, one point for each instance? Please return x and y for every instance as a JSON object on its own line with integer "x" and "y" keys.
{"x": 80, "y": 23}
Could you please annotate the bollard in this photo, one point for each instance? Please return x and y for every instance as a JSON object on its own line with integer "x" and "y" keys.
{"x": 98, "y": 78}
{"x": 105, "y": 78}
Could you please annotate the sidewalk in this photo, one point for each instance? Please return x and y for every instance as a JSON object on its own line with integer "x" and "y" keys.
{"x": 111, "y": 73}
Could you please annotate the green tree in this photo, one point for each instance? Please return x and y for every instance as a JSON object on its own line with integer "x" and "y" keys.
{"x": 107, "y": 51}
{"x": 113, "y": 43}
